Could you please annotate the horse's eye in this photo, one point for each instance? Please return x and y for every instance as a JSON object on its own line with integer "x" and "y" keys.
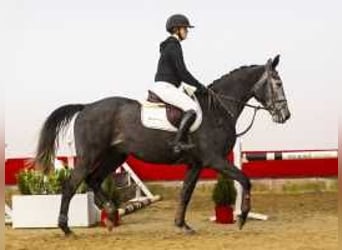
{"x": 279, "y": 84}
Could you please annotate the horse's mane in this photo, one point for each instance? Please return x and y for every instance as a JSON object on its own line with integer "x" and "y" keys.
{"x": 233, "y": 74}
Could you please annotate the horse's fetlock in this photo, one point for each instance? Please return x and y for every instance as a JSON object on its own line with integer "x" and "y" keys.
{"x": 179, "y": 223}
{"x": 110, "y": 209}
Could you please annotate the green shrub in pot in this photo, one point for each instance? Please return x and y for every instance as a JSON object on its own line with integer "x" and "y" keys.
{"x": 224, "y": 192}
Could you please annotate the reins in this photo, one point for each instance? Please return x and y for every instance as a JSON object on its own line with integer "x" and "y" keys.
{"x": 256, "y": 108}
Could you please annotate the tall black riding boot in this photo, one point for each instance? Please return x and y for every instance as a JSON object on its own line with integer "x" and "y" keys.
{"x": 187, "y": 120}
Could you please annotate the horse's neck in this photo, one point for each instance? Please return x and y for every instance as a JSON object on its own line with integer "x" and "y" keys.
{"x": 238, "y": 90}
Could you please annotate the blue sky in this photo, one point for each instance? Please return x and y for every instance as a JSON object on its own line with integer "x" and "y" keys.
{"x": 66, "y": 51}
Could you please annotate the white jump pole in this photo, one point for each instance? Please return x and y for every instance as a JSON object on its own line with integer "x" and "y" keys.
{"x": 137, "y": 180}
{"x": 71, "y": 163}
{"x": 8, "y": 214}
{"x": 238, "y": 187}
{"x": 238, "y": 163}
{"x": 8, "y": 210}
{"x": 139, "y": 201}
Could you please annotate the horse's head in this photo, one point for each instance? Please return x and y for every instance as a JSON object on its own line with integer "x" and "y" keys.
{"x": 269, "y": 91}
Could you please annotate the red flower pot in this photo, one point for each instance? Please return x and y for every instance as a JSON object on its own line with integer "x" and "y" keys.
{"x": 104, "y": 216}
{"x": 224, "y": 214}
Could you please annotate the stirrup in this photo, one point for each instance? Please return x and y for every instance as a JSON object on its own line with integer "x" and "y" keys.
{"x": 181, "y": 146}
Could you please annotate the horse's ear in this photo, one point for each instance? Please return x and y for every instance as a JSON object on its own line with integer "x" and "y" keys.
{"x": 275, "y": 61}
{"x": 269, "y": 64}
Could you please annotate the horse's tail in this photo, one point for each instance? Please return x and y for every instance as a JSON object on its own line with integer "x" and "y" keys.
{"x": 48, "y": 138}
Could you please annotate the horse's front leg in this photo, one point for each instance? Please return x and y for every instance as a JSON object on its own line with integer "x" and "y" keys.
{"x": 189, "y": 184}
{"x": 231, "y": 171}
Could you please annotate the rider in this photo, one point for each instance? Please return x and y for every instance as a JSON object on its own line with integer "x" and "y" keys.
{"x": 171, "y": 72}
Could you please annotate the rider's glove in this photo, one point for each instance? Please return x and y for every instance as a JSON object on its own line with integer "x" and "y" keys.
{"x": 201, "y": 89}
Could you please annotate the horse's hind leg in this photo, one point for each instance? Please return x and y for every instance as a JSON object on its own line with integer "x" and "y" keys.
{"x": 109, "y": 163}
{"x": 189, "y": 184}
{"x": 68, "y": 191}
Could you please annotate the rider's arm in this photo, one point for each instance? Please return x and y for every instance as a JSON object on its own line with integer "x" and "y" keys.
{"x": 178, "y": 60}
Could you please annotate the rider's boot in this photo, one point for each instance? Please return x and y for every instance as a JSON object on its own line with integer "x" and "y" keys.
{"x": 179, "y": 143}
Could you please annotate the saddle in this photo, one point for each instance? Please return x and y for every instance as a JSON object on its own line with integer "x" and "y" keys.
{"x": 173, "y": 114}
{"x": 157, "y": 114}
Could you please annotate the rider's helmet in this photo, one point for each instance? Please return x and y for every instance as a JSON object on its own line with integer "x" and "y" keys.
{"x": 177, "y": 20}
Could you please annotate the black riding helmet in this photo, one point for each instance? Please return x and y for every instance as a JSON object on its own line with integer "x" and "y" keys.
{"x": 177, "y": 20}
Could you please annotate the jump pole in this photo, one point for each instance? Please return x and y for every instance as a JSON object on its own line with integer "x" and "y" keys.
{"x": 8, "y": 214}
{"x": 140, "y": 201}
{"x": 8, "y": 210}
{"x": 298, "y": 155}
{"x": 138, "y": 204}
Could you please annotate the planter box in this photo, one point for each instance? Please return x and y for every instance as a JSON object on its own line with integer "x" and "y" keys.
{"x": 224, "y": 214}
{"x": 42, "y": 211}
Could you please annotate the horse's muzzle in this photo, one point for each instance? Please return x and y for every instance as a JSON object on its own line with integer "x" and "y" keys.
{"x": 281, "y": 115}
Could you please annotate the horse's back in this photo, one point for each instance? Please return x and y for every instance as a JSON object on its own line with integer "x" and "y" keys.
{"x": 102, "y": 114}
{"x": 114, "y": 101}
{"x": 108, "y": 106}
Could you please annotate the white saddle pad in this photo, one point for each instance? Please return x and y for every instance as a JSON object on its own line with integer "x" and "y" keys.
{"x": 153, "y": 115}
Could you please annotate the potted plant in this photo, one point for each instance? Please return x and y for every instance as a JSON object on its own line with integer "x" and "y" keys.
{"x": 39, "y": 203}
{"x": 110, "y": 189}
{"x": 224, "y": 195}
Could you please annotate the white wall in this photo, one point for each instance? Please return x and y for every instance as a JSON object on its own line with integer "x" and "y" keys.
{"x": 60, "y": 52}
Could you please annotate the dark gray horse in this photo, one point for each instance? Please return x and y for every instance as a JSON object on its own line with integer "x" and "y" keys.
{"x": 109, "y": 130}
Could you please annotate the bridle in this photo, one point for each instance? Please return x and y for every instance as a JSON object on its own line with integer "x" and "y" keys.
{"x": 269, "y": 107}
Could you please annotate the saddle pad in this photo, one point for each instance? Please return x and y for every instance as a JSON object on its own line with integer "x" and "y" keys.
{"x": 154, "y": 116}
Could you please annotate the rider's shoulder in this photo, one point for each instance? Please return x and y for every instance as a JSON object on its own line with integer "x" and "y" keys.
{"x": 170, "y": 42}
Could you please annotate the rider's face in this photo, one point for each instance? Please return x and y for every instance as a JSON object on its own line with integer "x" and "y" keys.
{"x": 183, "y": 32}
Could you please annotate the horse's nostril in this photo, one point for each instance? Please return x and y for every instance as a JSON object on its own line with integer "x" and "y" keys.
{"x": 288, "y": 116}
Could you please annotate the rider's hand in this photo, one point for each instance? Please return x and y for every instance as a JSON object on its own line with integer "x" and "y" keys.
{"x": 201, "y": 89}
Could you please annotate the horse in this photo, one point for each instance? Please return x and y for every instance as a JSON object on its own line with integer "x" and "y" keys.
{"x": 107, "y": 131}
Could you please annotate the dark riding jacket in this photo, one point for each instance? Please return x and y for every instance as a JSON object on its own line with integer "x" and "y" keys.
{"x": 171, "y": 66}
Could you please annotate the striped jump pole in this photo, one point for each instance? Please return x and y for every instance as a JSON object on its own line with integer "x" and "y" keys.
{"x": 245, "y": 157}
{"x": 298, "y": 155}
{"x": 137, "y": 204}
{"x": 143, "y": 198}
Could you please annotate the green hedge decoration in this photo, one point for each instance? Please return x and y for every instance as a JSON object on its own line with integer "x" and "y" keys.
{"x": 33, "y": 182}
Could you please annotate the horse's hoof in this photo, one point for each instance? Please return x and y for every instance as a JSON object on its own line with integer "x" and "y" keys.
{"x": 242, "y": 221}
{"x": 71, "y": 235}
{"x": 187, "y": 230}
{"x": 68, "y": 233}
{"x": 109, "y": 224}
{"x": 66, "y": 230}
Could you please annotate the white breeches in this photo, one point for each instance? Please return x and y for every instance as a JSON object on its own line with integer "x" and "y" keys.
{"x": 174, "y": 96}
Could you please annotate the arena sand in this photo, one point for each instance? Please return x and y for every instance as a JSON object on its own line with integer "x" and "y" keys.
{"x": 297, "y": 221}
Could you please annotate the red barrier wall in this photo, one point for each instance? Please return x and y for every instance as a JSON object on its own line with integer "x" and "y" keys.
{"x": 257, "y": 169}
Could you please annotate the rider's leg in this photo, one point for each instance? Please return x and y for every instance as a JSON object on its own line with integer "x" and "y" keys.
{"x": 176, "y": 97}
{"x": 179, "y": 142}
